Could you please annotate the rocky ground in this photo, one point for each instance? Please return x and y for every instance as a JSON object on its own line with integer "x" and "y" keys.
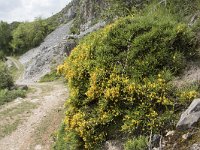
{"x": 30, "y": 122}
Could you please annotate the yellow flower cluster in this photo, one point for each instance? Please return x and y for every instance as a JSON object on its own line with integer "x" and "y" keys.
{"x": 187, "y": 95}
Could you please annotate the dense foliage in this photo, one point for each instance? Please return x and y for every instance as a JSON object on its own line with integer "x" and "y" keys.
{"x": 29, "y": 34}
{"x": 118, "y": 78}
{"x": 17, "y": 38}
{"x": 5, "y": 38}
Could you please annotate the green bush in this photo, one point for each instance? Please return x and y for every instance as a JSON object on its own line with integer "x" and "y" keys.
{"x": 67, "y": 140}
{"x": 6, "y": 80}
{"x": 118, "y": 76}
{"x": 140, "y": 143}
{"x": 8, "y": 96}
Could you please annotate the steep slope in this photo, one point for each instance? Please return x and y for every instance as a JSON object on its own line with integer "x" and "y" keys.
{"x": 39, "y": 61}
{"x": 105, "y": 68}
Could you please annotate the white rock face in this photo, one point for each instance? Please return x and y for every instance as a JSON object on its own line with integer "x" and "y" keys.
{"x": 190, "y": 117}
{"x": 38, "y": 61}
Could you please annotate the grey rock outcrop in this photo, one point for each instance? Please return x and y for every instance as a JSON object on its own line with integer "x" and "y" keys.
{"x": 85, "y": 11}
{"x": 190, "y": 117}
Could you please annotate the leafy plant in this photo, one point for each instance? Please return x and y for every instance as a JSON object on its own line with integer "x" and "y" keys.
{"x": 139, "y": 143}
{"x": 8, "y": 96}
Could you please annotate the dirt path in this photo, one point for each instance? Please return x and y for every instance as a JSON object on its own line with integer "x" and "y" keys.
{"x": 37, "y": 122}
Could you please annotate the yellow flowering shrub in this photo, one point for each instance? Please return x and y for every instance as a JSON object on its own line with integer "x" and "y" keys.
{"x": 116, "y": 78}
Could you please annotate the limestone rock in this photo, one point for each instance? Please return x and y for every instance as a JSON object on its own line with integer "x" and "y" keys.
{"x": 190, "y": 117}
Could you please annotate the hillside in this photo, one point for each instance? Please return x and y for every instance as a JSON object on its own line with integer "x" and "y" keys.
{"x": 123, "y": 91}
{"x": 131, "y": 69}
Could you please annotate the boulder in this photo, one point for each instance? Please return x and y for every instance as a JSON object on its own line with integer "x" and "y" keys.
{"x": 190, "y": 117}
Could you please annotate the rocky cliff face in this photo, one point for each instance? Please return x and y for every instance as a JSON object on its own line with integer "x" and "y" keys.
{"x": 82, "y": 11}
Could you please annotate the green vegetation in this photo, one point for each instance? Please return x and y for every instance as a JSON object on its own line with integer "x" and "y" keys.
{"x": 5, "y": 38}
{"x": 16, "y": 38}
{"x": 183, "y": 8}
{"x": 119, "y": 79}
{"x": 140, "y": 143}
{"x": 105, "y": 10}
{"x": 67, "y": 140}
{"x": 6, "y": 82}
{"x": 29, "y": 34}
{"x": 9, "y": 95}
{"x": 52, "y": 76}
{"x": 8, "y": 128}
{"x": 120, "y": 76}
